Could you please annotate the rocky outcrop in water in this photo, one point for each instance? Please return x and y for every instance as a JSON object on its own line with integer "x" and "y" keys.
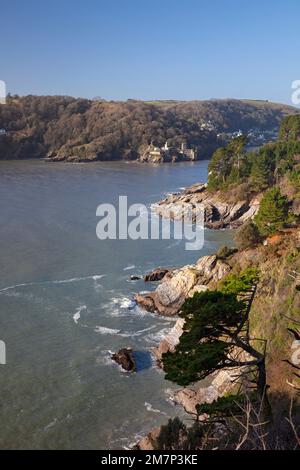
{"x": 218, "y": 212}
{"x": 174, "y": 288}
{"x": 156, "y": 275}
{"x": 125, "y": 359}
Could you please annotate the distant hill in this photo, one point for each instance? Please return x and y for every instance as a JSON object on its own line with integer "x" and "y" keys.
{"x": 77, "y": 129}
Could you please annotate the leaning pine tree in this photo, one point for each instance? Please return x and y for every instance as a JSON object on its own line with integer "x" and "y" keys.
{"x": 216, "y": 333}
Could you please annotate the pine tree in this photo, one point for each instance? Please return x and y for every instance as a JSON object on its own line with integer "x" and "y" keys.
{"x": 273, "y": 212}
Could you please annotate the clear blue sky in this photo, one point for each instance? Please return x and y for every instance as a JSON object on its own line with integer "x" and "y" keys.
{"x": 181, "y": 49}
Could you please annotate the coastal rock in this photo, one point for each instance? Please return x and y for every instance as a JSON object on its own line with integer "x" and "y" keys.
{"x": 218, "y": 212}
{"x": 221, "y": 384}
{"x": 170, "y": 341}
{"x": 156, "y": 275}
{"x": 148, "y": 442}
{"x": 169, "y": 296}
{"x": 124, "y": 357}
{"x": 178, "y": 284}
{"x": 134, "y": 277}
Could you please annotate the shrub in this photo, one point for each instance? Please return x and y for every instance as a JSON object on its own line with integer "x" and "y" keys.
{"x": 224, "y": 252}
{"x": 238, "y": 283}
{"x": 247, "y": 236}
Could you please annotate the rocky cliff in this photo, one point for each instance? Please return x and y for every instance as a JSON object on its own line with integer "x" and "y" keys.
{"x": 178, "y": 284}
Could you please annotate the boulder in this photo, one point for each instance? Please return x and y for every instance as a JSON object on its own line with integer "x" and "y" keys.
{"x": 124, "y": 357}
{"x": 134, "y": 277}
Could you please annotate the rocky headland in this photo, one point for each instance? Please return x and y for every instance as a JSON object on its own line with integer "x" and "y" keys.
{"x": 219, "y": 212}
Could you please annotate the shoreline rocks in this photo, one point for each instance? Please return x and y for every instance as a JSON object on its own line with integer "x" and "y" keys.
{"x": 156, "y": 275}
{"x": 170, "y": 341}
{"x": 149, "y": 441}
{"x": 168, "y": 298}
{"x": 218, "y": 212}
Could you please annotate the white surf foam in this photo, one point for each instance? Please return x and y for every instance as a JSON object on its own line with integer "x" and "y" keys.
{"x": 95, "y": 277}
{"x": 149, "y": 407}
{"x": 128, "y": 268}
{"x": 61, "y": 281}
{"x": 158, "y": 336}
{"x": 77, "y": 314}
{"x": 103, "y": 330}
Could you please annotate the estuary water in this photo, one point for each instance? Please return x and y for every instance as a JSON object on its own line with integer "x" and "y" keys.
{"x": 66, "y": 304}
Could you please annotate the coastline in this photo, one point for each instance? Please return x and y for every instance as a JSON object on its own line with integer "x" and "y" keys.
{"x": 180, "y": 283}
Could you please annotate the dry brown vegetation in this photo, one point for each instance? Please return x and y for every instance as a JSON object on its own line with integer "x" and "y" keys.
{"x": 81, "y": 129}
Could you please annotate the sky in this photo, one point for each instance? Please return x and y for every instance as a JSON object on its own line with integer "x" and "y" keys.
{"x": 151, "y": 49}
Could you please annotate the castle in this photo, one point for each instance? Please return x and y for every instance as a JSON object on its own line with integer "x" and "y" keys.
{"x": 168, "y": 153}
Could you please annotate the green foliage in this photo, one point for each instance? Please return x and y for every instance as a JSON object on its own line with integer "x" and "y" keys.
{"x": 222, "y": 407}
{"x": 231, "y": 166}
{"x": 226, "y": 165}
{"x": 202, "y": 349}
{"x": 238, "y": 283}
{"x": 225, "y": 252}
{"x": 247, "y": 236}
{"x": 176, "y": 436}
{"x": 290, "y": 128}
{"x": 273, "y": 212}
{"x": 170, "y": 435}
{"x": 194, "y": 361}
{"x": 263, "y": 167}
{"x": 294, "y": 178}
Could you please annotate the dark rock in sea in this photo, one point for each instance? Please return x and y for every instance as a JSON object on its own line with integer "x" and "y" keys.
{"x": 124, "y": 357}
{"x": 156, "y": 275}
{"x": 134, "y": 277}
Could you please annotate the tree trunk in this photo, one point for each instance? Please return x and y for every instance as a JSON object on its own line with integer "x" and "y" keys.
{"x": 262, "y": 378}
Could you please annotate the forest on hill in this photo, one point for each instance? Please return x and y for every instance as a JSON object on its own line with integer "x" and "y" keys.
{"x": 78, "y": 129}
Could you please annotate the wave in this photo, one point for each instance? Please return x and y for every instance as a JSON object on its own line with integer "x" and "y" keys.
{"x": 128, "y": 268}
{"x": 118, "y": 306}
{"x": 95, "y": 277}
{"x": 149, "y": 407}
{"x": 77, "y": 314}
{"x": 104, "y": 330}
{"x": 158, "y": 336}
